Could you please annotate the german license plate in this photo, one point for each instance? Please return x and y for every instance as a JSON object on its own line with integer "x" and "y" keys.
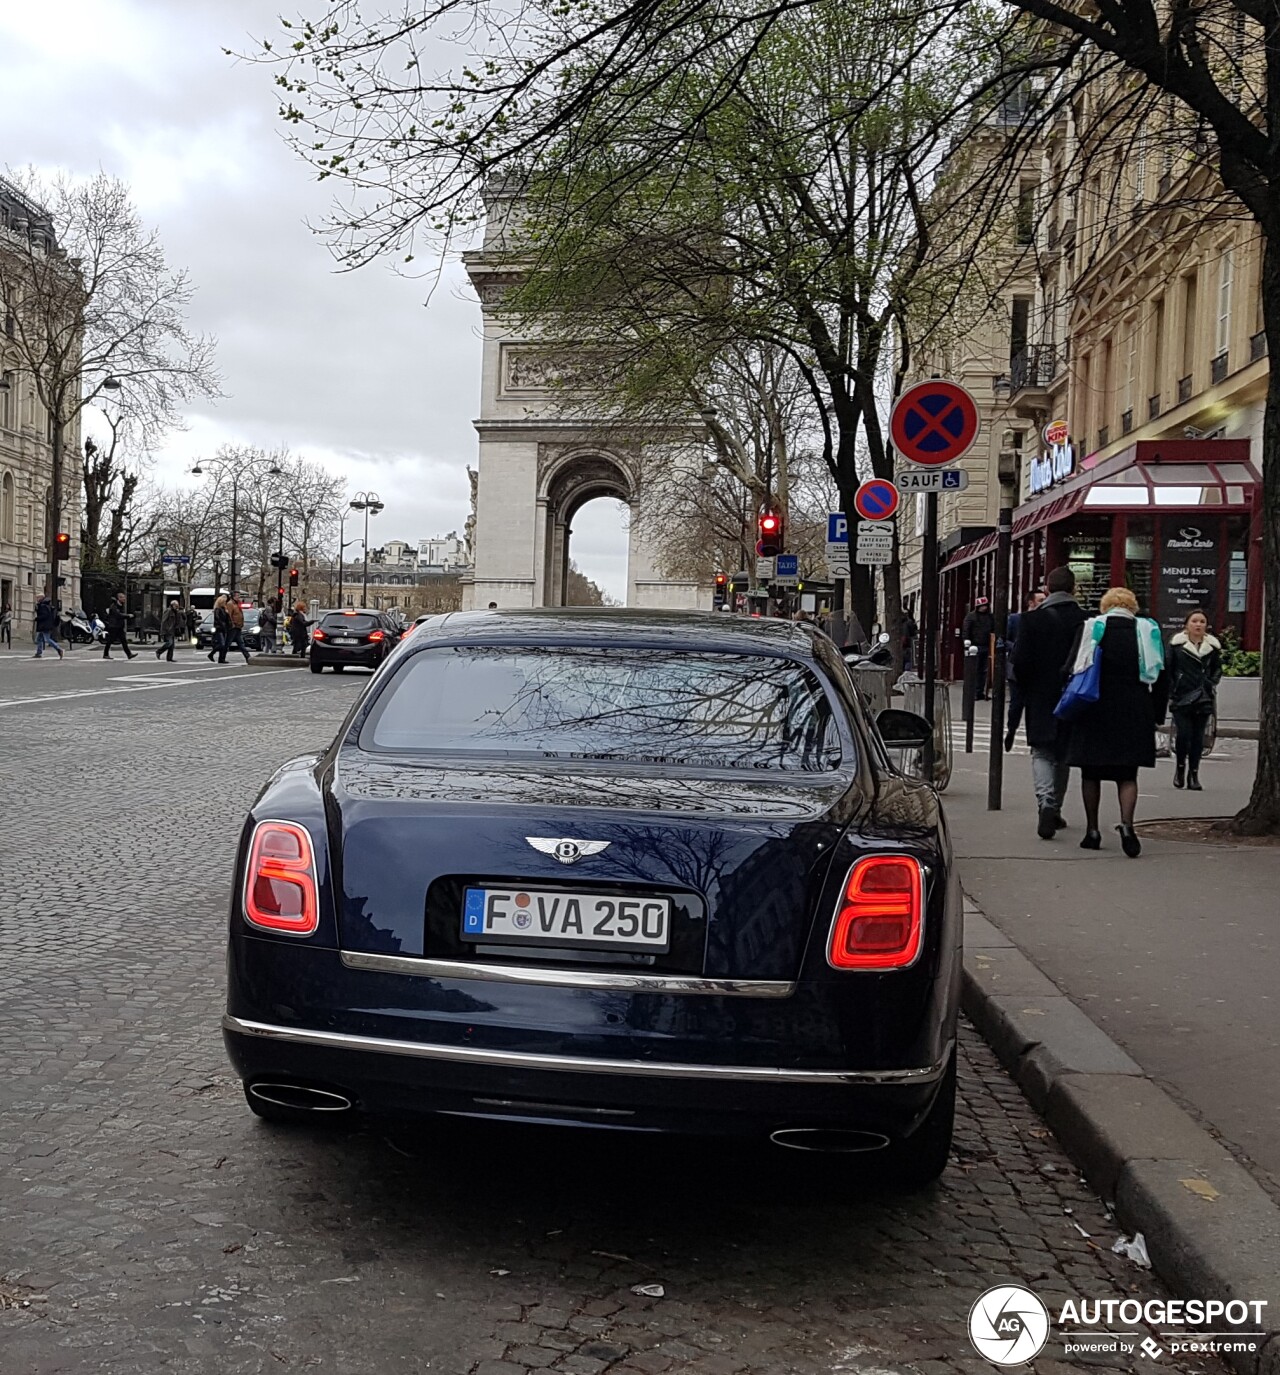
{"x": 343, "y": 640}
{"x": 532, "y": 916}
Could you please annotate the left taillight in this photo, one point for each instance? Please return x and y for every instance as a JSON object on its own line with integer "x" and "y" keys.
{"x": 280, "y": 880}
{"x": 880, "y": 918}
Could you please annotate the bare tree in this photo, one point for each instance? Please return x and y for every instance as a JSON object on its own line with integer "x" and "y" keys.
{"x": 92, "y": 307}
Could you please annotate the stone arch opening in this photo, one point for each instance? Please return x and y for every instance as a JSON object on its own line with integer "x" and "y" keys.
{"x": 569, "y": 483}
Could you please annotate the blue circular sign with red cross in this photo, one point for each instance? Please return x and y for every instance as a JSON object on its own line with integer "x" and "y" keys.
{"x": 934, "y": 423}
{"x": 876, "y": 499}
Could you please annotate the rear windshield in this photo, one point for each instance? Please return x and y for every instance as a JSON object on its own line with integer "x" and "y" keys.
{"x": 638, "y": 706}
{"x": 358, "y": 624}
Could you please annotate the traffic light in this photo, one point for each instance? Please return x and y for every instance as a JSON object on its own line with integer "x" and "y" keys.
{"x": 722, "y": 589}
{"x": 62, "y": 545}
{"x": 769, "y": 545}
{"x": 280, "y": 561}
{"x": 293, "y": 577}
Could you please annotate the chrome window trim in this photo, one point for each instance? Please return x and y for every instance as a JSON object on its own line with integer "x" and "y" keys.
{"x": 574, "y": 1064}
{"x": 567, "y": 978}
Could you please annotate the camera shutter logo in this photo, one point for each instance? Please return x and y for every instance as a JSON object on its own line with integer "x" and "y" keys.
{"x": 1008, "y": 1325}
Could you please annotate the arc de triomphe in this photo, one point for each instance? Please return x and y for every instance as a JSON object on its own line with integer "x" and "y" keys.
{"x": 539, "y": 465}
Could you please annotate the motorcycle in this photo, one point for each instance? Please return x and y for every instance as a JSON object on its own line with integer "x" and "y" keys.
{"x": 84, "y": 630}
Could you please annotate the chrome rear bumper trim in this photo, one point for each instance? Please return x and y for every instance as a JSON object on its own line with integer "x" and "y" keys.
{"x": 573, "y": 1064}
{"x": 568, "y": 978}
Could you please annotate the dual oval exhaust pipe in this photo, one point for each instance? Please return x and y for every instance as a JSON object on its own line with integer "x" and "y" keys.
{"x": 828, "y": 1140}
{"x": 300, "y": 1097}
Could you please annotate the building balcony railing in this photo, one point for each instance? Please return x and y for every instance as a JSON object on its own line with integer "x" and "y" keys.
{"x": 1184, "y": 389}
{"x": 1126, "y": 421}
{"x": 1104, "y": 436}
{"x": 1153, "y": 407}
{"x": 1257, "y": 345}
{"x": 1035, "y": 367}
{"x": 1218, "y": 368}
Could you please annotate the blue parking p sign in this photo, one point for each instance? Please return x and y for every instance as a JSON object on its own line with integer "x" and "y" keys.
{"x": 837, "y": 528}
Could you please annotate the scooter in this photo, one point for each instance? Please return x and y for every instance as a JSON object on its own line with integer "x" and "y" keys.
{"x": 81, "y": 630}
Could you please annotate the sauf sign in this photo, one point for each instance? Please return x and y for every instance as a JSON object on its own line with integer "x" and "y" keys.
{"x": 1058, "y": 461}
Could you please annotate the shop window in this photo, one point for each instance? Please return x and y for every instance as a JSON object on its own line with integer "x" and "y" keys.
{"x": 1087, "y": 548}
{"x": 1139, "y": 550}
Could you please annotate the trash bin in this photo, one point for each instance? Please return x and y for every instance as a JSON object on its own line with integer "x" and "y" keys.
{"x": 911, "y": 762}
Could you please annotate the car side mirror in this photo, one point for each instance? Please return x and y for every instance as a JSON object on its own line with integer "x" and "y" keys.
{"x": 903, "y": 729}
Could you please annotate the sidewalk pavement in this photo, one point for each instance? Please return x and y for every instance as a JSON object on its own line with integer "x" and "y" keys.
{"x": 1145, "y": 1019}
{"x": 1176, "y": 955}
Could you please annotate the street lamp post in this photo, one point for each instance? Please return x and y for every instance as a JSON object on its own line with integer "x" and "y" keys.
{"x": 343, "y": 545}
{"x": 370, "y": 503}
{"x": 236, "y": 470}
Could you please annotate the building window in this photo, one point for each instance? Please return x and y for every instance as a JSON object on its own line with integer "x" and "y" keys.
{"x": 1026, "y": 217}
{"x": 1129, "y": 400}
{"x": 6, "y": 508}
{"x": 1190, "y": 292}
{"x": 1226, "y": 277}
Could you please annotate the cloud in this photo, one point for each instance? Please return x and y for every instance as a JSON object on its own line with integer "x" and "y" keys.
{"x": 354, "y": 370}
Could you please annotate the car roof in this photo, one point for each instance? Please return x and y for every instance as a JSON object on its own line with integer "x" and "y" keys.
{"x": 584, "y": 624}
{"x": 351, "y": 611}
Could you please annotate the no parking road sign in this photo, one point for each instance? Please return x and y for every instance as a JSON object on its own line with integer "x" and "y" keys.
{"x": 876, "y": 499}
{"x": 934, "y": 423}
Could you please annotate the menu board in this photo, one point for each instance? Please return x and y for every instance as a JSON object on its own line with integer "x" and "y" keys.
{"x": 1189, "y": 558}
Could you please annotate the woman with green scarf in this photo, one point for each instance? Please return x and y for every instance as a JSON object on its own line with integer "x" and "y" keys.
{"x": 1116, "y": 736}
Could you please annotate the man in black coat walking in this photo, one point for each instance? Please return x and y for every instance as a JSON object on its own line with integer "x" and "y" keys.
{"x": 1045, "y": 636}
{"x": 116, "y": 621}
{"x": 978, "y": 627}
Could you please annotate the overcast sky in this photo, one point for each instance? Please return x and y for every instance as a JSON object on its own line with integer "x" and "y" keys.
{"x": 356, "y": 370}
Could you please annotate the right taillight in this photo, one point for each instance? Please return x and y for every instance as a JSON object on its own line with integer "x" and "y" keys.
{"x": 878, "y": 925}
{"x": 280, "y": 882}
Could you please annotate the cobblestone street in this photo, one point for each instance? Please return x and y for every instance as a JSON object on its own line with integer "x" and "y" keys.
{"x": 148, "y": 1222}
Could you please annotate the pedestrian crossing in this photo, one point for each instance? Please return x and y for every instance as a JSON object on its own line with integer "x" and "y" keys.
{"x": 982, "y": 740}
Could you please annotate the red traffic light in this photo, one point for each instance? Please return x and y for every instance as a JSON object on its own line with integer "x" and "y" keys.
{"x": 721, "y": 579}
{"x": 770, "y": 541}
{"x": 61, "y": 545}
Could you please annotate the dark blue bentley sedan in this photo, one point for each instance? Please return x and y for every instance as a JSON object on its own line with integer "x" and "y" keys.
{"x": 632, "y": 870}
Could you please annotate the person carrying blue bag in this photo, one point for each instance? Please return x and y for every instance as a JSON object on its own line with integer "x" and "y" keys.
{"x": 1114, "y": 697}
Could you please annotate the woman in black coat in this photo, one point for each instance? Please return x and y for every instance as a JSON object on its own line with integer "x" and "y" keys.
{"x": 1115, "y": 737}
{"x": 1194, "y": 669}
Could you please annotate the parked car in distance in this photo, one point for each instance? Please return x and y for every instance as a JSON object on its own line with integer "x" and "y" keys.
{"x": 585, "y": 866}
{"x": 355, "y": 638}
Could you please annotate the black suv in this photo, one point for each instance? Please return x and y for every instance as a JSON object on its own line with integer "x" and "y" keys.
{"x": 359, "y": 637}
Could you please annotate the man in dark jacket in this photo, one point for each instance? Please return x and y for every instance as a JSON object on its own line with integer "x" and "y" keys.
{"x": 977, "y": 630}
{"x": 1015, "y": 692}
{"x": 116, "y": 620}
{"x": 172, "y": 626}
{"x": 46, "y": 628}
{"x": 1045, "y": 636}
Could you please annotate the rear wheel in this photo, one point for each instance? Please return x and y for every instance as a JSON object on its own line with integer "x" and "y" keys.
{"x": 316, "y": 668}
{"x": 914, "y": 1163}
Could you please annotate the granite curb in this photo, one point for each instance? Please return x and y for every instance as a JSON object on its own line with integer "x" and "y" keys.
{"x": 1211, "y": 1230}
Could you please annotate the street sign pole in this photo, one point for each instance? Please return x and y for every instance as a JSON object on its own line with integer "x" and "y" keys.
{"x": 929, "y": 620}
{"x": 1004, "y": 549}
